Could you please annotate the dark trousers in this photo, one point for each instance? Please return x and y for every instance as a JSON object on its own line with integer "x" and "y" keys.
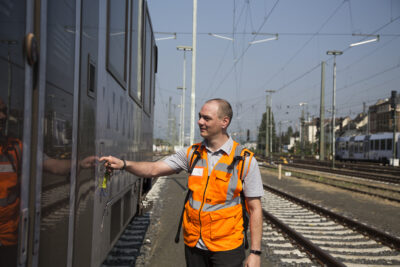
{"x": 196, "y": 257}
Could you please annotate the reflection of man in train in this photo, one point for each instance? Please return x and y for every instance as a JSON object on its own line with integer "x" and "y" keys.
{"x": 213, "y": 221}
{"x": 10, "y": 168}
{"x": 10, "y": 171}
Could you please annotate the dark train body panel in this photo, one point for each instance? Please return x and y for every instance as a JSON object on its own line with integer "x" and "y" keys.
{"x": 82, "y": 88}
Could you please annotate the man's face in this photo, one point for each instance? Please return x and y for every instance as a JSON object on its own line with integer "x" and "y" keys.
{"x": 209, "y": 123}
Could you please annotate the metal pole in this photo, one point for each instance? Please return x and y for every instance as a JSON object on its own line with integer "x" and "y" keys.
{"x": 322, "y": 115}
{"x": 266, "y": 128}
{"x": 334, "y": 53}
{"x": 270, "y": 130}
{"x": 302, "y": 133}
{"x": 280, "y": 137}
{"x": 269, "y": 125}
{"x": 194, "y": 51}
{"x": 333, "y": 111}
{"x": 183, "y": 99}
{"x": 394, "y": 109}
{"x": 180, "y": 120}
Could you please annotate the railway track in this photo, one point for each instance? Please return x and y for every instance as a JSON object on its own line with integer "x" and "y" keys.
{"x": 313, "y": 235}
{"x": 370, "y": 171}
{"x": 368, "y": 175}
{"x": 374, "y": 172}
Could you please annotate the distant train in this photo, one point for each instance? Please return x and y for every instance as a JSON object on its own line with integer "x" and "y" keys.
{"x": 77, "y": 82}
{"x": 374, "y": 147}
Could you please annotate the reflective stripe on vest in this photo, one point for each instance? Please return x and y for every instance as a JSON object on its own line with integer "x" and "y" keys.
{"x": 6, "y": 168}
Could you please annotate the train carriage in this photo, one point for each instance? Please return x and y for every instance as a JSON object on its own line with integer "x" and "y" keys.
{"x": 342, "y": 147}
{"x": 375, "y": 147}
{"x": 77, "y": 81}
{"x": 381, "y": 147}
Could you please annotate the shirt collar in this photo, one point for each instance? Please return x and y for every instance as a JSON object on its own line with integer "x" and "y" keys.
{"x": 226, "y": 147}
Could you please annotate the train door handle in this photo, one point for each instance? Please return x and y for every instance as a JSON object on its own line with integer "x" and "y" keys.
{"x": 31, "y": 49}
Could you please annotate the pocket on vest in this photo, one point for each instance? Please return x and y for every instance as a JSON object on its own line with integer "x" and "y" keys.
{"x": 191, "y": 229}
{"x": 222, "y": 224}
{"x": 194, "y": 183}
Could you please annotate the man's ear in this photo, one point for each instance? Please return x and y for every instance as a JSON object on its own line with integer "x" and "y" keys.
{"x": 225, "y": 122}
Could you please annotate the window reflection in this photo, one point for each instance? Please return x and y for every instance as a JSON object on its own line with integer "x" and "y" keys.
{"x": 116, "y": 39}
{"x": 147, "y": 67}
{"x": 135, "y": 88}
{"x": 12, "y": 87}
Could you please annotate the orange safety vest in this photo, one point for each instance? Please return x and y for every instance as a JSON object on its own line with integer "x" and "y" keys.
{"x": 214, "y": 209}
{"x": 10, "y": 160}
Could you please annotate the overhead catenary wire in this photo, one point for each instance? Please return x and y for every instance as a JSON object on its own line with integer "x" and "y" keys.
{"x": 244, "y": 52}
{"x": 303, "y": 46}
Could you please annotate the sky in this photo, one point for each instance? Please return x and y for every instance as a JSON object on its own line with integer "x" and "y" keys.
{"x": 291, "y": 66}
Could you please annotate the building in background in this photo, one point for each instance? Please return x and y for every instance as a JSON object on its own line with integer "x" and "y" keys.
{"x": 381, "y": 116}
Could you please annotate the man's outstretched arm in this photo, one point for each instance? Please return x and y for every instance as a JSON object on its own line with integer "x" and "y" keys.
{"x": 140, "y": 168}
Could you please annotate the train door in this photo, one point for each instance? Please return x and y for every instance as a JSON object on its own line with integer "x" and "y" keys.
{"x": 367, "y": 147}
{"x": 352, "y": 145}
{"x": 59, "y": 49}
{"x": 18, "y": 69}
{"x": 85, "y": 181}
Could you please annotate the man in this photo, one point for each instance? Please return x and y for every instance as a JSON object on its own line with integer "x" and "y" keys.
{"x": 213, "y": 219}
{"x": 10, "y": 161}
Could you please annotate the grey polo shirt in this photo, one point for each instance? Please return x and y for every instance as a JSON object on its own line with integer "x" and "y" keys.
{"x": 252, "y": 185}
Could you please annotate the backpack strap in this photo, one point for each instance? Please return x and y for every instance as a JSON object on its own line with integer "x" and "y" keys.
{"x": 245, "y": 158}
{"x": 194, "y": 156}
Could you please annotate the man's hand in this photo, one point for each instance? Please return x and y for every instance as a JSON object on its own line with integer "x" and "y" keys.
{"x": 112, "y": 162}
{"x": 253, "y": 260}
{"x": 88, "y": 162}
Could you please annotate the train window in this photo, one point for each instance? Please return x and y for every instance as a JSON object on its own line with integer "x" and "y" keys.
{"x": 388, "y": 144}
{"x": 360, "y": 147}
{"x": 382, "y": 144}
{"x": 376, "y": 144}
{"x": 147, "y": 64}
{"x": 347, "y": 145}
{"x": 116, "y": 39}
{"x": 371, "y": 145}
{"x": 135, "y": 88}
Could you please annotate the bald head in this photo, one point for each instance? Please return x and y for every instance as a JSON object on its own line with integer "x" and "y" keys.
{"x": 224, "y": 108}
